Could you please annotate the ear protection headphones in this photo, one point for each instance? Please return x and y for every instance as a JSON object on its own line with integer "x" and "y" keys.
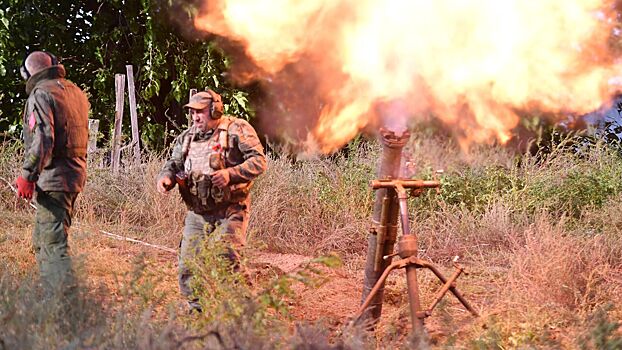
{"x": 216, "y": 108}
{"x": 26, "y": 74}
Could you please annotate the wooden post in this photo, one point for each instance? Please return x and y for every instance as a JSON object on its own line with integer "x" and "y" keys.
{"x": 119, "y": 84}
{"x": 93, "y": 133}
{"x": 133, "y": 116}
{"x": 192, "y": 92}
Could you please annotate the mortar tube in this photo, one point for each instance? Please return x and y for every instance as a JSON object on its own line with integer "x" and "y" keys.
{"x": 389, "y": 168}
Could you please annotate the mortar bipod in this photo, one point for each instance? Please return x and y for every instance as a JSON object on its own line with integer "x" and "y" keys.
{"x": 407, "y": 249}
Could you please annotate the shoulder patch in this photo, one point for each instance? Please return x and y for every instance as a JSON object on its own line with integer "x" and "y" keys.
{"x": 32, "y": 121}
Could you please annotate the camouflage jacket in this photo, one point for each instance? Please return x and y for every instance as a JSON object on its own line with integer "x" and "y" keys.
{"x": 244, "y": 156}
{"x": 55, "y": 124}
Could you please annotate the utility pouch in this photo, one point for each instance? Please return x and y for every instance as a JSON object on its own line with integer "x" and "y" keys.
{"x": 204, "y": 187}
{"x": 197, "y": 194}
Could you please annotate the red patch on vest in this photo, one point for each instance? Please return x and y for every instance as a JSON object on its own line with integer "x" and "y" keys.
{"x": 32, "y": 121}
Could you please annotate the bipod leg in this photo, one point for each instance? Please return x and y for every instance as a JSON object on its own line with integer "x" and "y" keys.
{"x": 448, "y": 284}
{"x": 397, "y": 264}
{"x": 444, "y": 289}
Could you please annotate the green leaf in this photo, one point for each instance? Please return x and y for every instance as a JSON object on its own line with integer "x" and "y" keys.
{"x": 240, "y": 99}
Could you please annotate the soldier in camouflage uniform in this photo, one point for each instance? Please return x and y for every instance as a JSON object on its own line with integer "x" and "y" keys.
{"x": 214, "y": 164}
{"x": 55, "y": 139}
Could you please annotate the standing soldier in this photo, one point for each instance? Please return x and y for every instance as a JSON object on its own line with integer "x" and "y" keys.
{"x": 214, "y": 163}
{"x": 55, "y": 139}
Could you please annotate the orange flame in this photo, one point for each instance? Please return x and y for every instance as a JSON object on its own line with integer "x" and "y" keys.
{"x": 474, "y": 64}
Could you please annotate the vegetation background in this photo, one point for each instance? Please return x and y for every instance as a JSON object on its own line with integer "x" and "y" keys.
{"x": 96, "y": 39}
{"x": 539, "y": 236}
{"x": 539, "y": 232}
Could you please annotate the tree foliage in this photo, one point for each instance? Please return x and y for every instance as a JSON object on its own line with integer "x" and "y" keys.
{"x": 95, "y": 39}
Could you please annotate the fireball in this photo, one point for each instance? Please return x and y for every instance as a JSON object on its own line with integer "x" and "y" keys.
{"x": 476, "y": 65}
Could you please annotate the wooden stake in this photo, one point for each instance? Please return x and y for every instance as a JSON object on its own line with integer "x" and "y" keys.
{"x": 119, "y": 84}
{"x": 133, "y": 115}
{"x": 93, "y": 133}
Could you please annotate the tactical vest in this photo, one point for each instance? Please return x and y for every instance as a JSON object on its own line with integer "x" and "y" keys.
{"x": 202, "y": 158}
{"x": 70, "y": 108}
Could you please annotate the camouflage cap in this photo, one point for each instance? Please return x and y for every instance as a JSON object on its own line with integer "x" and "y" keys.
{"x": 200, "y": 100}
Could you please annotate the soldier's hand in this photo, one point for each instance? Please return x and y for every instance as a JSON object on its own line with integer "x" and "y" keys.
{"x": 164, "y": 184}
{"x": 25, "y": 188}
{"x": 220, "y": 178}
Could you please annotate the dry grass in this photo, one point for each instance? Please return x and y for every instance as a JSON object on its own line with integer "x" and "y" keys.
{"x": 554, "y": 280}
{"x": 129, "y": 203}
{"x": 540, "y": 237}
{"x": 315, "y": 206}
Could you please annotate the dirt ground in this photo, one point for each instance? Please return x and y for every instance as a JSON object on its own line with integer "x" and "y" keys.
{"x": 107, "y": 262}
{"x": 333, "y": 303}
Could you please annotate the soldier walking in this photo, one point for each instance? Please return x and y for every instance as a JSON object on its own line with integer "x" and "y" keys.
{"x": 55, "y": 124}
{"x": 214, "y": 164}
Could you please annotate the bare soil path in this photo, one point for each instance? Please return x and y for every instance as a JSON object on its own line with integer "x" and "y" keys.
{"x": 332, "y": 302}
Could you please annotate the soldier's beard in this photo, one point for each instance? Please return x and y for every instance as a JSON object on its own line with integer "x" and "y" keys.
{"x": 206, "y": 125}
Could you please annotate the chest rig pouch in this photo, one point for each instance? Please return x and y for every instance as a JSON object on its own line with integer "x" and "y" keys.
{"x": 203, "y": 158}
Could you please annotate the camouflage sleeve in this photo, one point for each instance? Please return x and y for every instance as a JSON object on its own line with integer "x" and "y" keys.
{"x": 175, "y": 163}
{"x": 248, "y": 143}
{"x": 38, "y": 134}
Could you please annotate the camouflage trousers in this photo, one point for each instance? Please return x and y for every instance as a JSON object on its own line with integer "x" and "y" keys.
{"x": 231, "y": 222}
{"x": 49, "y": 238}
